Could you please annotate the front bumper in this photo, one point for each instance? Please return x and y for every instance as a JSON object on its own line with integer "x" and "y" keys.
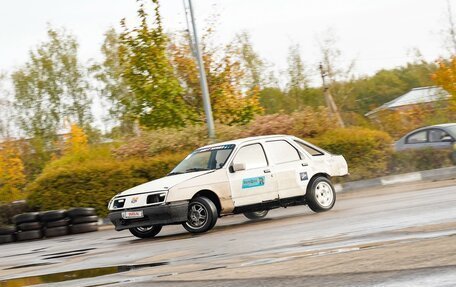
{"x": 153, "y": 215}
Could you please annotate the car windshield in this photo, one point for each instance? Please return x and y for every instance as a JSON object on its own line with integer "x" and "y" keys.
{"x": 204, "y": 159}
{"x": 452, "y": 130}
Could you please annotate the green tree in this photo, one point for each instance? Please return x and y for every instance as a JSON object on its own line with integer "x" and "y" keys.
{"x": 157, "y": 99}
{"x": 52, "y": 87}
{"x": 253, "y": 66}
{"x": 6, "y": 109}
{"x": 110, "y": 84}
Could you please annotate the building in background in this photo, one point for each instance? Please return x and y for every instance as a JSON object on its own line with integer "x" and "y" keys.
{"x": 423, "y": 97}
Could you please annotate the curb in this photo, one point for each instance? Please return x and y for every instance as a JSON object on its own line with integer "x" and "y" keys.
{"x": 433, "y": 174}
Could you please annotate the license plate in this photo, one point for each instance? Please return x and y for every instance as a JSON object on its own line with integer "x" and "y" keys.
{"x": 132, "y": 214}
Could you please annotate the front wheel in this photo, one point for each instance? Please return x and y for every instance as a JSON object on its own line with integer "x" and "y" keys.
{"x": 146, "y": 231}
{"x": 321, "y": 195}
{"x": 202, "y": 215}
{"x": 256, "y": 214}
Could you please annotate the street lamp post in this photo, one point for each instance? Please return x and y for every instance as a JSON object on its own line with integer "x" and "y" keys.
{"x": 202, "y": 77}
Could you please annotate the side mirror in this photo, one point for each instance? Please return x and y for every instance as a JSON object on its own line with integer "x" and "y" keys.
{"x": 238, "y": 166}
{"x": 447, "y": 139}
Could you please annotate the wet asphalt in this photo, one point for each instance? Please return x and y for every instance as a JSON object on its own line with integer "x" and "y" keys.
{"x": 393, "y": 236}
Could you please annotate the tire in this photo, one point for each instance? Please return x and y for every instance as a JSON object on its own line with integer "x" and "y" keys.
{"x": 80, "y": 211}
{"x": 56, "y": 231}
{"x": 84, "y": 227}
{"x": 201, "y": 208}
{"x": 85, "y": 219}
{"x": 321, "y": 195}
{"x": 29, "y": 226}
{"x": 29, "y": 235}
{"x": 57, "y": 223}
{"x": 256, "y": 214}
{"x": 53, "y": 215}
{"x": 6, "y": 238}
{"x": 26, "y": 217}
{"x": 146, "y": 232}
{"x": 7, "y": 230}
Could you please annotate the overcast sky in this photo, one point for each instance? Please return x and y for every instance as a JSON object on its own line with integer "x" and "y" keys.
{"x": 379, "y": 34}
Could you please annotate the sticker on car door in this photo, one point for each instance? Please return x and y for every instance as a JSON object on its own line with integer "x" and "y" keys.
{"x": 303, "y": 176}
{"x": 253, "y": 182}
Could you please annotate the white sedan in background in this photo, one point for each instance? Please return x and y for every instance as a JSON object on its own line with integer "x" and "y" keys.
{"x": 249, "y": 176}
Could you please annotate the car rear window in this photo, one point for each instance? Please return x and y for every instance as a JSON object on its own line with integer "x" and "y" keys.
{"x": 312, "y": 151}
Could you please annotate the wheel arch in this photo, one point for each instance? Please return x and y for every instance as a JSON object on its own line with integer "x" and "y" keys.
{"x": 212, "y": 196}
{"x": 315, "y": 176}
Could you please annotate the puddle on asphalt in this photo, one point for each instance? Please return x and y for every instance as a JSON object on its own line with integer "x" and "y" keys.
{"x": 73, "y": 275}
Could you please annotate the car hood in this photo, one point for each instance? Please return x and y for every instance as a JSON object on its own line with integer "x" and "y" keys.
{"x": 163, "y": 183}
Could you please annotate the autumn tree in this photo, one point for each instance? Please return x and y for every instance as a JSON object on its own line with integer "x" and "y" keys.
{"x": 233, "y": 84}
{"x": 76, "y": 141}
{"x": 12, "y": 177}
{"x": 157, "y": 98}
{"x": 445, "y": 76}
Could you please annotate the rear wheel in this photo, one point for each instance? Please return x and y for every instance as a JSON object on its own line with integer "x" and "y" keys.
{"x": 202, "y": 215}
{"x": 256, "y": 214}
{"x": 146, "y": 231}
{"x": 321, "y": 195}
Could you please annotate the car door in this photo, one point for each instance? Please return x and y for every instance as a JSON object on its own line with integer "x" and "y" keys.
{"x": 440, "y": 139}
{"x": 256, "y": 183}
{"x": 417, "y": 140}
{"x": 290, "y": 169}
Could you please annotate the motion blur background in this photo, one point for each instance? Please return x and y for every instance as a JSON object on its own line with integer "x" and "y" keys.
{"x": 91, "y": 104}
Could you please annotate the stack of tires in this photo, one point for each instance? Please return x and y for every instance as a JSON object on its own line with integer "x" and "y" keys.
{"x": 28, "y": 226}
{"x": 7, "y": 234}
{"x": 82, "y": 220}
{"x": 55, "y": 223}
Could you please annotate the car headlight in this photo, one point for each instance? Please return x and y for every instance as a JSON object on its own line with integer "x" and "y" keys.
{"x": 156, "y": 198}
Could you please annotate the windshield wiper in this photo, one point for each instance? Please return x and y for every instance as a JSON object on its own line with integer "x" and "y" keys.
{"x": 175, "y": 172}
{"x": 196, "y": 169}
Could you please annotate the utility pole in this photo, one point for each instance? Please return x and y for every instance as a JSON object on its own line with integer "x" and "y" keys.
{"x": 329, "y": 99}
{"x": 202, "y": 73}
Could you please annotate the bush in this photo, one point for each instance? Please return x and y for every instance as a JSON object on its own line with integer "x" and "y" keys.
{"x": 366, "y": 151}
{"x": 92, "y": 183}
{"x": 416, "y": 160}
{"x": 308, "y": 122}
{"x": 150, "y": 143}
{"x": 7, "y": 211}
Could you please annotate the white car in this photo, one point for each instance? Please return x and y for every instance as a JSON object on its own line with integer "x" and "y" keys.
{"x": 249, "y": 176}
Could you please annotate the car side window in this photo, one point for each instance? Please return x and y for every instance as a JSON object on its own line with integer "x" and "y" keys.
{"x": 436, "y": 135}
{"x": 309, "y": 149}
{"x": 252, "y": 155}
{"x": 281, "y": 151}
{"x": 419, "y": 137}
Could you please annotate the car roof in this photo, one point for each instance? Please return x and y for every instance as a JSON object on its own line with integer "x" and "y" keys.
{"x": 247, "y": 139}
{"x": 428, "y": 127}
{"x": 444, "y": 125}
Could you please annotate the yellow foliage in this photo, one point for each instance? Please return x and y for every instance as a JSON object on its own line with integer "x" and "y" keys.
{"x": 76, "y": 141}
{"x": 12, "y": 177}
{"x": 231, "y": 102}
{"x": 445, "y": 76}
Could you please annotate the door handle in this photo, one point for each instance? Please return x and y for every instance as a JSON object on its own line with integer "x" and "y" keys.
{"x": 267, "y": 171}
{"x": 304, "y": 164}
